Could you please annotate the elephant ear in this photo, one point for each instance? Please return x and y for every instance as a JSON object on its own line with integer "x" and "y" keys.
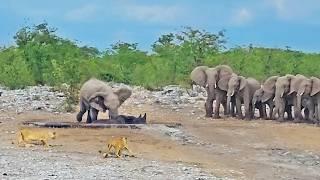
{"x": 315, "y": 86}
{"x": 198, "y": 76}
{"x": 295, "y": 82}
{"x": 224, "y": 71}
{"x": 123, "y": 94}
{"x": 242, "y": 82}
{"x": 223, "y": 83}
{"x": 270, "y": 84}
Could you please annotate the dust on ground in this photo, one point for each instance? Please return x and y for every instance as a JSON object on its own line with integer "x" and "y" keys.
{"x": 226, "y": 148}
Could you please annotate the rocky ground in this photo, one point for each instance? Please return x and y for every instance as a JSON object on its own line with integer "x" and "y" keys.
{"x": 38, "y": 164}
{"x": 201, "y": 148}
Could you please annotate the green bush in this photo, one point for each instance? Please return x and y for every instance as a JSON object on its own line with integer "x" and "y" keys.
{"x": 42, "y": 57}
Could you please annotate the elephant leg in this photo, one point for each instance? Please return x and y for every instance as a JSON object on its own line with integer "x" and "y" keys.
{"x": 247, "y": 110}
{"x": 275, "y": 112}
{"x": 262, "y": 111}
{"x": 252, "y": 110}
{"x": 312, "y": 115}
{"x": 89, "y": 120}
{"x": 317, "y": 113}
{"x": 225, "y": 104}
{"x": 288, "y": 109}
{"x": 271, "y": 109}
{"x": 209, "y": 106}
{"x": 281, "y": 108}
{"x": 307, "y": 113}
{"x": 82, "y": 111}
{"x": 232, "y": 108}
{"x": 93, "y": 115}
{"x": 217, "y": 108}
{"x": 238, "y": 108}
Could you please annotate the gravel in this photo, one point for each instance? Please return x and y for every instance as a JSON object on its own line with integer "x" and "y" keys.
{"x": 172, "y": 96}
{"x": 30, "y": 99}
{"x": 35, "y": 98}
{"x": 41, "y": 164}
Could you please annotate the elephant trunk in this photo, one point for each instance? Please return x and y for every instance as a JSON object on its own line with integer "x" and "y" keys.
{"x": 299, "y": 97}
{"x": 230, "y": 92}
{"x": 113, "y": 113}
{"x": 254, "y": 101}
{"x": 301, "y": 91}
{"x": 228, "y": 104}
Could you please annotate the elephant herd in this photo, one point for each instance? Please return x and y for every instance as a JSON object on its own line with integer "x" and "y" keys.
{"x": 280, "y": 93}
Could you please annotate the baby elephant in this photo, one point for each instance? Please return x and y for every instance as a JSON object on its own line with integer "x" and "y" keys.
{"x": 96, "y": 95}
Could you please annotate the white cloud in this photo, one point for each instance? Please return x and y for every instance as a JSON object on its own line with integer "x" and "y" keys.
{"x": 152, "y": 13}
{"x": 83, "y": 13}
{"x": 242, "y": 16}
{"x": 295, "y": 9}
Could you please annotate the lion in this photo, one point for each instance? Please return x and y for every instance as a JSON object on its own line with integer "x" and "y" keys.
{"x": 118, "y": 144}
{"x": 26, "y": 136}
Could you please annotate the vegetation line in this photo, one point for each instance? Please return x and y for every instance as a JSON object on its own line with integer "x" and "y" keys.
{"x": 42, "y": 57}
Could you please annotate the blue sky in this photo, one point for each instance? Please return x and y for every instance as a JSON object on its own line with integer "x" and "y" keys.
{"x": 99, "y": 23}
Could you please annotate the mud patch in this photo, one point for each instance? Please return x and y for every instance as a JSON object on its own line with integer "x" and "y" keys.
{"x": 43, "y": 124}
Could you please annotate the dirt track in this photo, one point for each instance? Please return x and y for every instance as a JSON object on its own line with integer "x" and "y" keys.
{"x": 258, "y": 149}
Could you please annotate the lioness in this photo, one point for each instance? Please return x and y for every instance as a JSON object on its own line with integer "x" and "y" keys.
{"x": 118, "y": 144}
{"x": 31, "y": 135}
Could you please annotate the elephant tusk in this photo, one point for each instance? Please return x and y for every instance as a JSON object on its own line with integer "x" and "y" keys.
{"x": 230, "y": 94}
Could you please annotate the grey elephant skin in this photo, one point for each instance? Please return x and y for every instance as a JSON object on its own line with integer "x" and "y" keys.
{"x": 214, "y": 80}
{"x": 308, "y": 96}
{"x": 264, "y": 96}
{"x": 243, "y": 89}
{"x": 96, "y": 95}
{"x": 286, "y": 96}
{"x": 257, "y": 103}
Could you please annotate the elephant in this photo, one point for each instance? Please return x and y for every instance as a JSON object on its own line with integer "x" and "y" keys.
{"x": 214, "y": 80}
{"x": 96, "y": 95}
{"x": 265, "y": 96}
{"x": 308, "y": 95}
{"x": 257, "y": 103}
{"x": 243, "y": 89}
{"x": 285, "y": 96}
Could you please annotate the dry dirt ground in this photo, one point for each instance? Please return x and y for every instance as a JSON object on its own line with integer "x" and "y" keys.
{"x": 226, "y": 148}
